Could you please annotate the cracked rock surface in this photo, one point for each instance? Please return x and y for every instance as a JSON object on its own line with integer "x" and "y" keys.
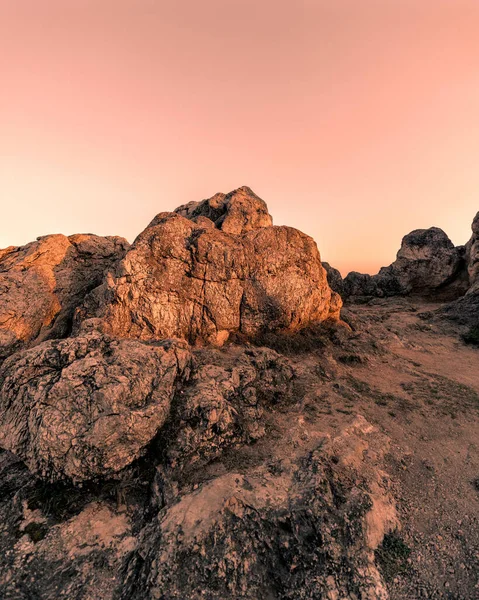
{"x": 189, "y": 418}
{"x": 86, "y": 407}
{"x": 201, "y": 283}
{"x": 43, "y": 282}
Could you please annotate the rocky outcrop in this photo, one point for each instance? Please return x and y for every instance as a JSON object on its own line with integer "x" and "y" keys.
{"x": 86, "y": 407}
{"x": 42, "y": 283}
{"x": 465, "y": 310}
{"x": 427, "y": 264}
{"x": 144, "y": 458}
{"x": 305, "y": 526}
{"x": 237, "y": 212}
{"x": 201, "y": 283}
{"x": 472, "y": 257}
{"x": 223, "y": 404}
{"x": 307, "y": 529}
{"x": 360, "y": 285}
{"x": 335, "y": 279}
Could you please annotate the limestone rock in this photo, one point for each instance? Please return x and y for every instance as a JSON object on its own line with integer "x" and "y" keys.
{"x": 304, "y": 530}
{"x": 237, "y": 212}
{"x": 222, "y": 404}
{"x": 186, "y": 280}
{"x": 472, "y": 256}
{"x": 42, "y": 283}
{"x": 335, "y": 279}
{"x": 427, "y": 264}
{"x": 86, "y": 407}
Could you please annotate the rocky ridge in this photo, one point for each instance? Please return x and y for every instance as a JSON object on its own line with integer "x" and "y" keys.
{"x": 180, "y": 418}
{"x": 428, "y": 265}
{"x": 191, "y": 278}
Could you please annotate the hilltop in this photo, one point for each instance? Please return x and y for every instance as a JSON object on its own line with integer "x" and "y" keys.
{"x": 212, "y": 412}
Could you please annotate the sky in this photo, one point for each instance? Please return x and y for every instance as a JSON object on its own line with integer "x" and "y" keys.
{"x": 357, "y": 121}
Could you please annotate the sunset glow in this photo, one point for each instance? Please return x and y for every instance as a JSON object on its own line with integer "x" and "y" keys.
{"x": 355, "y": 121}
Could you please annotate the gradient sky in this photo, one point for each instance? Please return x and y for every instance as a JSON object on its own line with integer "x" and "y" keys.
{"x": 356, "y": 120}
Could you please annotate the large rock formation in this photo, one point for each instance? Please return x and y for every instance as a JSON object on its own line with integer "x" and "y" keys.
{"x": 188, "y": 489}
{"x": 237, "y": 212}
{"x": 305, "y": 530}
{"x": 43, "y": 282}
{"x": 427, "y": 264}
{"x": 472, "y": 256}
{"x": 465, "y": 310}
{"x": 86, "y": 407}
{"x": 201, "y": 282}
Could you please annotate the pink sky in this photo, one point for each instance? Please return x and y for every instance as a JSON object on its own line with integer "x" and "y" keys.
{"x": 356, "y": 120}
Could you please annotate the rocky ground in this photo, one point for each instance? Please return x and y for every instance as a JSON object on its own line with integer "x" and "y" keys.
{"x": 190, "y": 418}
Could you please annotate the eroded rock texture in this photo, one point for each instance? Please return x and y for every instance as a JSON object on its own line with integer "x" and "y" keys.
{"x": 135, "y": 466}
{"x": 472, "y": 256}
{"x": 42, "y": 283}
{"x": 306, "y": 531}
{"x": 237, "y": 212}
{"x": 200, "y": 283}
{"x": 222, "y": 405}
{"x": 86, "y": 407}
{"x": 427, "y": 264}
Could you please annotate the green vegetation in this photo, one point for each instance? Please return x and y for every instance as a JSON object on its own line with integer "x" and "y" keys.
{"x": 392, "y": 556}
{"x": 36, "y": 531}
{"x": 472, "y": 336}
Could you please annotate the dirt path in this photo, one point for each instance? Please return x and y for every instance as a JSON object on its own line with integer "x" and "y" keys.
{"x": 425, "y": 396}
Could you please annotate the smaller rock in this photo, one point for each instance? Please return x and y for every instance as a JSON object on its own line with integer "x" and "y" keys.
{"x": 43, "y": 282}
{"x": 88, "y": 406}
{"x": 427, "y": 265}
{"x": 335, "y": 279}
{"x": 237, "y": 212}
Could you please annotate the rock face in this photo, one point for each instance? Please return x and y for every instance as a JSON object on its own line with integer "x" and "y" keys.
{"x": 335, "y": 279}
{"x": 86, "y": 407}
{"x": 235, "y": 213}
{"x": 472, "y": 256}
{"x": 427, "y": 264}
{"x": 198, "y": 282}
{"x": 306, "y": 531}
{"x": 142, "y": 457}
{"x": 42, "y": 283}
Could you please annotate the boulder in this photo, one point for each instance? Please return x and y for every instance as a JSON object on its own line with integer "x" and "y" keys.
{"x": 189, "y": 280}
{"x": 306, "y": 529}
{"x": 222, "y": 406}
{"x": 42, "y": 283}
{"x": 427, "y": 264}
{"x": 86, "y": 407}
{"x": 237, "y": 212}
{"x": 360, "y": 284}
{"x": 335, "y": 279}
{"x": 472, "y": 257}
